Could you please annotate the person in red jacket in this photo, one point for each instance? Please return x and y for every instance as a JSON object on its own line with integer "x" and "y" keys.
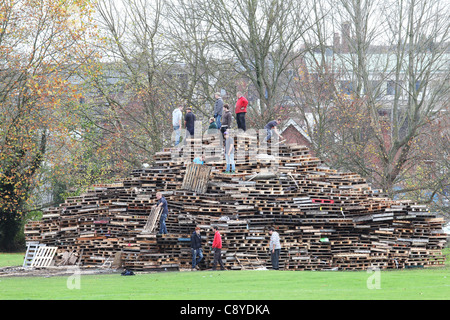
{"x": 217, "y": 248}
{"x": 241, "y": 110}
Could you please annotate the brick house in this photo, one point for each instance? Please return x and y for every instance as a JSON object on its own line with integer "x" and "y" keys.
{"x": 294, "y": 133}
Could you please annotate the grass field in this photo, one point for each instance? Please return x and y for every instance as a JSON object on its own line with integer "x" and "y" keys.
{"x": 409, "y": 284}
{"x": 11, "y": 259}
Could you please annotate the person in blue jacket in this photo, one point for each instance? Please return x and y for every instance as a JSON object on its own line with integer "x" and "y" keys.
{"x": 162, "y": 202}
{"x": 199, "y": 160}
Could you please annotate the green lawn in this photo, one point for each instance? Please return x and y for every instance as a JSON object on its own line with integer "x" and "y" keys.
{"x": 407, "y": 284}
{"x": 11, "y": 259}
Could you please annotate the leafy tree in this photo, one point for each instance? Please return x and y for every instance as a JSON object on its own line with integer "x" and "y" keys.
{"x": 41, "y": 43}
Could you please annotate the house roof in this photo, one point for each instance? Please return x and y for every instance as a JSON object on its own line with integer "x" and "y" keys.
{"x": 292, "y": 122}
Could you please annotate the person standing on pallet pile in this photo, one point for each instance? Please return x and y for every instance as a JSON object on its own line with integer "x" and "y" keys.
{"x": 177, "y": 115}
{"x": 189, "y": 122}
{"x": 217, "y": 249}
{"x": 218, "y": 109}
{"x": 226, "y": 120}
{"x": 241, "y": 110}
{"x": 274, "y": 247}
{"x": 229, "y": 153}
{"x": 196, "y": 248}
{"x": 272, "y": 126}
{"x": 199, "y": 160}
{"x": 212, "y": 125}
{"x": 162, "y": 202}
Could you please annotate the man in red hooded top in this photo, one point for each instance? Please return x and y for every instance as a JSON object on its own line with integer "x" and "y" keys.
{"x": 241, "y": 110}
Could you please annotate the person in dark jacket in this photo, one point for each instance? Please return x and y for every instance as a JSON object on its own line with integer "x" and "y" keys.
{"x": 272, "y": 126}
{"x": 226, "y": 120}
{"x": 212, "y": 124}
{"x": 162, "y": 202}
{"x": 196, "y": 248}
{"x": 189, "y": 122}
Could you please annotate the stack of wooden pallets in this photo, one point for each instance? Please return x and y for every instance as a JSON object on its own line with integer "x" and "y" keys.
{"x": 326, "y": 219}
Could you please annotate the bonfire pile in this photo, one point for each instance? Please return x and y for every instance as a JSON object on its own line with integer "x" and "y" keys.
{"x": 326, "y": 219}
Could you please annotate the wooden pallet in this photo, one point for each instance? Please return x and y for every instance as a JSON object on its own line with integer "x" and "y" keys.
{"x": 43, "y": 257}
{"x": 32, "y": 249}
{"x": 196, "y": 178}
{"x": 153, "y": 219}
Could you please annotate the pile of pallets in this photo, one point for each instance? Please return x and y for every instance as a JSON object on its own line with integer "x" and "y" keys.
{"x": 326, "y": 219}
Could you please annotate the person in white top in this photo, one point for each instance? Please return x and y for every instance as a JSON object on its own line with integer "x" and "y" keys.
{"x": 274, "y": 247}
{"x": 177, "y": 116}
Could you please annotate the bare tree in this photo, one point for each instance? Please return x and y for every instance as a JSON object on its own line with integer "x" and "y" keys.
{"x": 313, "y": 90}
{"x": 414, "y": 66}
{"x": 195, "y": 57}
{"x": 389, "y": 73}
{"x": 130, "y": 104}
{"x": 264, "y": 38}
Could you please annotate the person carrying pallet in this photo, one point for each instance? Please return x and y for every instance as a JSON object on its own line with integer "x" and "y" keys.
{"x": 162, "y": 202}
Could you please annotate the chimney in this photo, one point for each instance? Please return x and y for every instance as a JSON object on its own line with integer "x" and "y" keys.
{"x": 345, "y": 36}
{"x": 336, "y": 42}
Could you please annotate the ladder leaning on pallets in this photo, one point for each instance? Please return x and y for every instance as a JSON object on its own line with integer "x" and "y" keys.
{"x": 32, "y": 248}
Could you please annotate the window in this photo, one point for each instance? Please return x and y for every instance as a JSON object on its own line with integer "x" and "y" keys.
{"x": 390, "y": 90}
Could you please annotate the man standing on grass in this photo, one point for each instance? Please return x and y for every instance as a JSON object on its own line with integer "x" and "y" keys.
{"x": 162, "y": 202}
{"x": 241, "y": 110}
{"x": 274, "y": 247}
{"x": 217, "y": 248}
{"x": 196, "y": 248}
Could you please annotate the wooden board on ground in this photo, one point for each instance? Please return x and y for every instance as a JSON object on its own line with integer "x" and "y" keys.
{"x": 44, "y": 257}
